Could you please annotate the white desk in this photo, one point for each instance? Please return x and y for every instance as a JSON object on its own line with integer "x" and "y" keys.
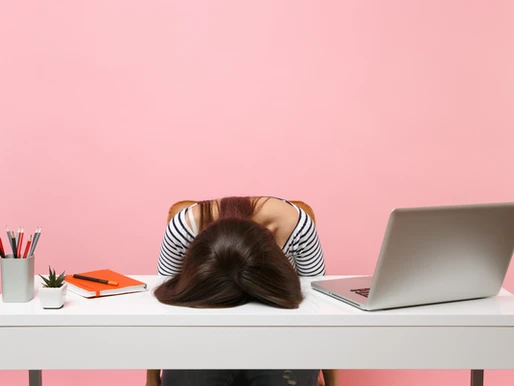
{"x": 137, "y": 332}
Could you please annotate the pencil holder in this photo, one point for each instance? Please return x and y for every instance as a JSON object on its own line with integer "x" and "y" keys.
{"x": 17, "y": 279}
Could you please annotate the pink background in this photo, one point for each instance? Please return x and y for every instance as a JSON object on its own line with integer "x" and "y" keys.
{"x": 112, "y": 110}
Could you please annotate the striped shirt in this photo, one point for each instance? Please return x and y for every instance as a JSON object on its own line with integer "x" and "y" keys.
{"x": 302, "y": 248}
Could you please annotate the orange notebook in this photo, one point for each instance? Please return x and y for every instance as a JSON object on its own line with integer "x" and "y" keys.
{"x": 90, "y": 289}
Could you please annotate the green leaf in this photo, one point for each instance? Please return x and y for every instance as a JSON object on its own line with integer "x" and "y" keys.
{"x": 45, "y": 280}
{"x": 53, "y": 281}
{"x": 61, "y": 277}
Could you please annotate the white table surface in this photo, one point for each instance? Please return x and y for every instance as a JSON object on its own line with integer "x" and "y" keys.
{"x": 135, "y": 331}
{"x": 142, "y": 309}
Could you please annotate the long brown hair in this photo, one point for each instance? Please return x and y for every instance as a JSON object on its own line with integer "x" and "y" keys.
{"x": 228, "y": 207}
{"x": 233, "y": 260}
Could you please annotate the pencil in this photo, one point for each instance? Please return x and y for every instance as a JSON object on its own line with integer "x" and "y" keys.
{"x": 37, "y": 234}
{"x": 9, "y": 238}
{"x": 2, "y": 252}
{"x": 20, "y": 242}
{"x": 13, "y": 240}
{"x": 27, "y": 248}
{"x": 17, "y": 238}
{"x": 89, "y": 278}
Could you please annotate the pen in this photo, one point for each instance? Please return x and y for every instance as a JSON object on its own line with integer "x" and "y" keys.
{"x": 95, "y": 279}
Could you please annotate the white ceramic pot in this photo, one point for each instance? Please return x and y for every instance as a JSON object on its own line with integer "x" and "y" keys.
{"x": 53, "y": 297}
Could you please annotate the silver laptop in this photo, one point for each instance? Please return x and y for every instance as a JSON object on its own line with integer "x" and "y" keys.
{"x": 434, "y": 255}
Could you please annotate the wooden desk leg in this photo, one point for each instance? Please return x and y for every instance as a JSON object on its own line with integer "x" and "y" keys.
{"x": 35, "y": 378}
{"x": 477, "y": 377}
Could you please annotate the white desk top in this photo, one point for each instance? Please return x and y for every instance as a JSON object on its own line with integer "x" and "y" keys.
{"x": 142, "y": 309}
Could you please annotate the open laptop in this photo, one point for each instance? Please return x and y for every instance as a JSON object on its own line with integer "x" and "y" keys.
{"x": 434, "y": 255}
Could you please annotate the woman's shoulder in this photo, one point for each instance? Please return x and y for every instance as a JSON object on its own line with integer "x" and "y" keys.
{"x": 277, "y": 207}
{"x": 178, "y": 207}
{"x": 177, "y": 217}
{"x": 278, "y": 215}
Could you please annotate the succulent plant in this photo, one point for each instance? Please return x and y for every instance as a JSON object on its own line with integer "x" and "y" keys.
{"x": 53, "y": 281}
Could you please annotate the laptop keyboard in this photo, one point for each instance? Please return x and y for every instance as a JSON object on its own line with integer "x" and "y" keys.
{"x": 361, "y": 291}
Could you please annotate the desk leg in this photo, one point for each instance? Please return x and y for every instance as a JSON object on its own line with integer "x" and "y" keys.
{"x": 35, "y": 378}
{"x": 477, "y": 377}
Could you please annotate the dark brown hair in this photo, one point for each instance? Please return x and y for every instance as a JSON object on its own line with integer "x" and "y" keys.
{"x": 233, "y": 260}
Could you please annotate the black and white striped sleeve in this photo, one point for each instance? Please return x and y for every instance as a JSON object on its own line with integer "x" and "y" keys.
{"x": 307, "y": 251}
{"x": 175, "y": 242}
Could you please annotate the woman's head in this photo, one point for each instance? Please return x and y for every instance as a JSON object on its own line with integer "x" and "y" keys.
{"x": 232, "y": 261}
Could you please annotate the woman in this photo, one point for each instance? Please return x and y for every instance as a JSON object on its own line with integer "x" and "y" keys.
{"x": 227, "y": 252}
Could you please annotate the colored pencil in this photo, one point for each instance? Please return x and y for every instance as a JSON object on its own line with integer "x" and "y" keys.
{"x": 37, "y": 234}
{"x": 9, "y": 238}
{"x": 27, "y": 248}
{"x": 20, "y": 242}
{"x": 16, "y": 239}
{"x": 13, "y": 241}
{"x": 2, "y": 252}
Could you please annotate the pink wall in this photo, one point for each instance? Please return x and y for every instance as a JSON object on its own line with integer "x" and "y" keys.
{"x": 112, "y": 110}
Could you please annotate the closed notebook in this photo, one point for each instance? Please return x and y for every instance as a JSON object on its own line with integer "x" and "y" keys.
{"x": 91, "y": 289}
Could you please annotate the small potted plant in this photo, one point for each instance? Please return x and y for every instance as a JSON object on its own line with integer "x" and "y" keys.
{"x": 53, "y": 291}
